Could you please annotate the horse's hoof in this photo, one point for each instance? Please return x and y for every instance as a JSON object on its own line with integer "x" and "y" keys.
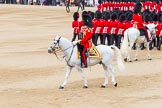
{"x": 130, "y": 61}
{"x": 116, "y": 84}
{"x": 135, "y": 59}
{"x": 103, "y": 86}
{"x": 85, "y": 86}
{"x": 61, "y": 87}
{"x": 125, "y": 59}
{"x": 150, "y": 59}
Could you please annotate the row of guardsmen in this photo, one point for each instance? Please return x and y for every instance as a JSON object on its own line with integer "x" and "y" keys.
{"x": 109, "y": 28}
{"x": 125, "y": 5}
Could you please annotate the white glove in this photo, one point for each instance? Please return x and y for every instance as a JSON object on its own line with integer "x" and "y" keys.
{"x": 74, "y": 42}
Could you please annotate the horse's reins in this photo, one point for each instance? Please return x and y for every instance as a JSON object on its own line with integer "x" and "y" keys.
{"x": 55, "y": 52}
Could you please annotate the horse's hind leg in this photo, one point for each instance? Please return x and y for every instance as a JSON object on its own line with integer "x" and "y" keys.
{"x": 68, "y": 71}
{"x": 83, "y": 77}
{"x": 106, "y": 69}
{"x": 113, "y": 75}
{"x": 148, "y": 52}
{"x": 136, "y": 54}
{"x": 129, "y": 52}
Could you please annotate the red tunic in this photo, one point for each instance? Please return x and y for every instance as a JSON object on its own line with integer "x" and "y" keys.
{"x": 113, "y": 27}
{"x": 137, "y": 21}
{"x": 128, "y": 24}
{"x": 98, "y": 25}
{"x": 87, "y": 36}
{"x": 121, "y": 28}
{"x": 75, "y": 26}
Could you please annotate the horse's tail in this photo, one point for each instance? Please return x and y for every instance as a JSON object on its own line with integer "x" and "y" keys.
{"x": 119, "y": 58}
{"x": 124, "y": 47}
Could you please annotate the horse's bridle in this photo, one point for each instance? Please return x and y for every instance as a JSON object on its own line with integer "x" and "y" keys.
{"x": 58, "y": 50}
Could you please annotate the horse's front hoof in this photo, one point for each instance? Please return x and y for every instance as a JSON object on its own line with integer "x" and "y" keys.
{"x": 130, "y": 60}
{"x": 116, "y": 84}
{"x": 125, "y": 59}
{"x": 150, "y": 59}
{"x": 85, "y": 86}
{"x": 103, "y": 86}
{"x": 135, "y": 59}
{"x": 61, "y": 87}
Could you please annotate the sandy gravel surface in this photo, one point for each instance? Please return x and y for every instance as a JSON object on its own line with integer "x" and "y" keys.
{"x": 30, "y": 77}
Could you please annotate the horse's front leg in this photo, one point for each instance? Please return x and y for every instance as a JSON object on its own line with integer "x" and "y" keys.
{"x": 83, "y": 76}
{"x": 148, "y": 52}
{"x": 68, "y": 71}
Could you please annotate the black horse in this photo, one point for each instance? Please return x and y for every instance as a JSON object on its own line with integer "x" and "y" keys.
{"x": 79, "y": 3}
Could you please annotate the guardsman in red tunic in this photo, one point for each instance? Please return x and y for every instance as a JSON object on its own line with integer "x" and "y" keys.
{"x": 75, "y": 26}
{"x": 97, "y": 27}
{"x": 106, "y": 22}
{"x": 121, "y": 28}
{"x": 113, "y": 27}
{"x": 85, "y": 42}
{"x": 128, "y": 22}
{"x": 137, "y": 19}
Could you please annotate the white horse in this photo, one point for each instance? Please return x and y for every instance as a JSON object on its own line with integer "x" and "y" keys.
{"x": 131, "y": 36}
{"x": 70, "y": 52}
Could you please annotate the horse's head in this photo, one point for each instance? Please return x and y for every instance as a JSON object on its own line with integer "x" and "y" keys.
{"x": 54, "y": 45}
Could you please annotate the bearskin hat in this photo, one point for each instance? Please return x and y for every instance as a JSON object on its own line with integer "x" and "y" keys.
{"x": 113, "y": 16}
{"x": 87, "y": 20}
{"x": 106, "y": 15}
{"x": 137, "y": 8}
{"x": 99, "y": 1}
{"x": 91, "y": 14}
{"x": 84, "y": 13}
{"x": 76, "y": 15}
{"x": 98, "y": 14}
{"x": 122, "y": 18}
{"x": 129, "y": 17}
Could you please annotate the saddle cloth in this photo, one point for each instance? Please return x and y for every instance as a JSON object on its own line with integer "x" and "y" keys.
{"x": 93, "y": 53}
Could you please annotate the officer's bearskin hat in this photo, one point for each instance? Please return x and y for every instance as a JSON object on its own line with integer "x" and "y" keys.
{"x": 98, "y": 14}
{"x": 122, "y": 18}
{"x": 137, "y": 8}
{"x": 87, "y": 20}
{"x": 129, "y": 17}
{"x": 76, "y": 15}
{"x": 106, "y": 15}
{"x": 113, "y": 16}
